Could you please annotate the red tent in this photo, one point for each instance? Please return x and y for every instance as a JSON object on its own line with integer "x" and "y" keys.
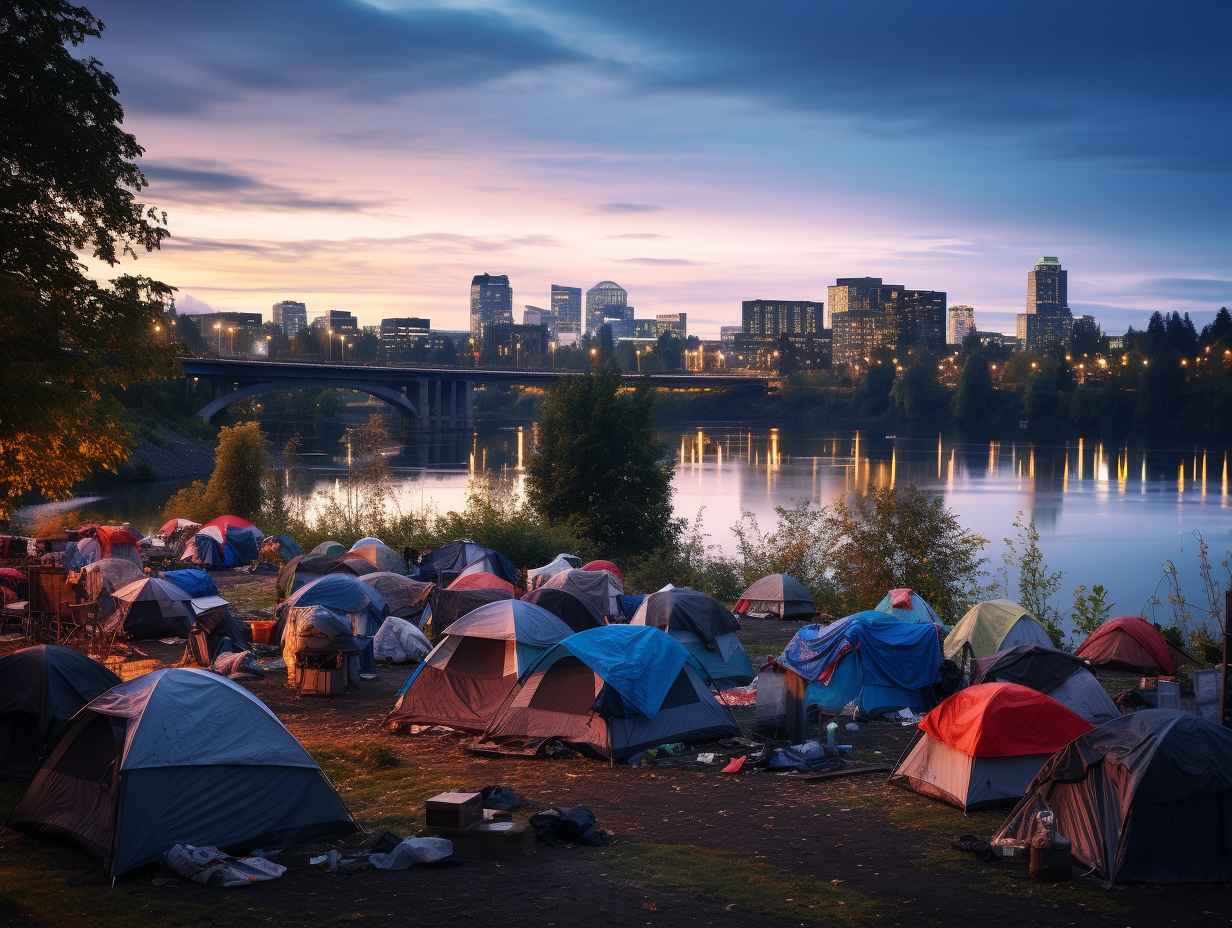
{"x": 1131, "y": 642}
{"x": 171, "y": 526}
{"x": 482, "y": 581}
{"x": 608, "y": 566}
{"x": 1003, "y": 720}
{"x": 226, "y": 522}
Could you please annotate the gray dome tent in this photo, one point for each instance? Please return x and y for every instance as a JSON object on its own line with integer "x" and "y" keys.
{"x": 150, "y": 608}
{"x": 1054, "y": 673}
{"x": 704, "y": 626}
{"x": 179, "y": 756}
{"x": 777, "y": 594}
{"x": 41, "y": 688}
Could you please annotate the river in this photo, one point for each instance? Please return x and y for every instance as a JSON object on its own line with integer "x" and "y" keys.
{"x": 1110, "y": 515}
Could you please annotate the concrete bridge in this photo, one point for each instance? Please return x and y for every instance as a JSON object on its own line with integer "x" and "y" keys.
{"x": 433, "y": 397}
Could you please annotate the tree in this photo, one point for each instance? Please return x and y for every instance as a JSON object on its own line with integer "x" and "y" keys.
{"x": 670, "y": 351}
{"x": 237, "y": 484}
{"x": 975, "y": 396}
{"x": 69, "y": 188}
{"x": 872, "y": 394}
{"x": 1037, "y": 584}
{"x": 599, "y": 467}
{"x": 918, "y": 398}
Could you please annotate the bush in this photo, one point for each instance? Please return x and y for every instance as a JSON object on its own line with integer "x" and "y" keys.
{"x": 1036, "y": 583}
{"x": 237, "y": 484}
{"x": 1091, "y": 610}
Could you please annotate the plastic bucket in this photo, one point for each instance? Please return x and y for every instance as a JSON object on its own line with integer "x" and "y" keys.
{"x": 262, "y": 629}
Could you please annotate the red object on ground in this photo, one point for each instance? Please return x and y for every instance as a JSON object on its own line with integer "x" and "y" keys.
{"x": 608, "y": 566}
{"x": 482, "y": 581}
{"x": 1128, "y": 641}
{"x": 225, "y": 522}
{"x": 1003, "y": 720}
{"x": 12, "y": 573}
{"x": 900, "y": 598}
{"x": 735, "y": 765}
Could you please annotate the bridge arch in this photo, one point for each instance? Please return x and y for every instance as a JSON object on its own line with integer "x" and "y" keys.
{"x": 390, "y": 395}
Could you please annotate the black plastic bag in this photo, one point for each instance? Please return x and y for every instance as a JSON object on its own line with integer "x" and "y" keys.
{"x": 570, "y": 825}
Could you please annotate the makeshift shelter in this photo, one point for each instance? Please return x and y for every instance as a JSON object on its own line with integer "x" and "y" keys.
{"x": 467, "y": 676}
{"x": 609, "y": 567}
{"x": 907, "y": 605}
{"x": 1143, "y": 798}
{"x": 215, "y": 629}
{"x": 777, "y": 594}
{"x": 192, "y": 581}
{"x": 304, "y": 568}
{"x": 443, "y": 564}
{"x": 361, "y": 603}
{"x": 279, "y": 548}
{"x": 379, "y": 555}
{"x": 41, "y": 688}
{"x": 537, "y": 575}
{"x": 1129, "y": 643}
{"x": 177, "y": 526}
{"x": 575, "y": 612}
{"x": 993, "y": 626}
{"x": 329, "y": 548}
{"x": 491, "y": 564}
{"x": 868, "y": 660}
{"x": 1058, "y": 674}
{"x": 984, "y": 745}
{"x": 179, "y": 756}
{"x": 82, "y": 551}
{"x": 118, "y": 541}
{"x": 446, "y": 606}
{"x": 315, "y": 630}
{"x": 704, "y": 626}
{"x": 208, "y": 548}
{"x": 598, "y": 587}
{"x": 102, "y": 578}
{"x": 227, "y": 522}
{"x": 610, "y": 692}
{"x": 149, "y": 608}
{"x": 482, "y": 581}
{"x": 405, "y": 597}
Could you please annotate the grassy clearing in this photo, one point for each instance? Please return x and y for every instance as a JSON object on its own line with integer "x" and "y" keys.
{"x": 738, "y": 881}
{"x": 248, "y": 593}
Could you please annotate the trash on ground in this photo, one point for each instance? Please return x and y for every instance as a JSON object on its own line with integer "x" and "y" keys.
{"x": 907, "y": 718}
{"x": 568, "y": 825}
{"x": 707, "y": 758}
{"x": 736, "y": 764}
{"x": 413, "y": 851}
{"x": 211, "y": 867}
{"x": 501, "y": 797}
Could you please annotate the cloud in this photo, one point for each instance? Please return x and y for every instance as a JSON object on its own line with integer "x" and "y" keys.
{"x": 290, "y": 250}
{"x": 202, "y": 182}
{"x": 639, "y": 236}
{"x": 621, "y": 208}
{"x": 1209, "y": 289}
{"x": 661, "y": 262}
{"x": 187, "y": 304}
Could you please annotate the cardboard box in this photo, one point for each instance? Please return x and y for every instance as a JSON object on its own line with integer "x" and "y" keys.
{"x": 489, "y": 840}
{"x": 454, "y": 810}
{"x": 316, "y": 682}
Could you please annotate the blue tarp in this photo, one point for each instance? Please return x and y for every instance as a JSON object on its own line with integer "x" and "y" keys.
{"x": 244, "y": 541}
{"x": 192, "y": 581}
{"x": 638, "y": 662}
{"x": 876, "y": 661}
{"x": 628, "y": 603}
{"x": 920, "y": 610}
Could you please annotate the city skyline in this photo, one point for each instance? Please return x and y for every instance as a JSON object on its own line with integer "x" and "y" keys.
{"x": 410, "y": 172}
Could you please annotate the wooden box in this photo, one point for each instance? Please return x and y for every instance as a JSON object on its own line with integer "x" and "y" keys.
{"x": 318, "y": 682}
{"x": 454, "y": 810}
{"x": 489, "y": 840}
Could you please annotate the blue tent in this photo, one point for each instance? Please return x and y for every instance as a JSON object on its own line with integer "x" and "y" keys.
{"x": 629, "y": 603}
{"x": 207, "y": 548}
{"x": 179, "y": 756}
{"x": 343, "y": 593}
{"x": 870, "y": 659}
{"x": 919, "y": 611}
{"x": 245, "y": 541}
{"x": 193, "y": 581}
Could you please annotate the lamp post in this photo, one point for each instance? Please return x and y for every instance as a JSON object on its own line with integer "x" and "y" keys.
{"x": 231, "y": 332}
{"x": 218, "y": 332}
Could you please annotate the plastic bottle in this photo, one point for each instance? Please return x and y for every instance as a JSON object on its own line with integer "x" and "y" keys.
{"x": 831, "y": 733}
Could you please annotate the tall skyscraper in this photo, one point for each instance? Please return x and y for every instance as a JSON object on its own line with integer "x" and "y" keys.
{"x": 854, "y": 293}
{"x": 917, "y": 317}
{"x": 772, "y": 318}
{"x": 960, "y": 321}
{"x": 537, "y": 315}
{"x": 400, "y": 334}
{"x": 567, "y": 307}
{"x": 491, "y": 303}
{"x": 601, "y": 300}
{"x": 291, "y": 316}
{"x": 1050, "y": 323}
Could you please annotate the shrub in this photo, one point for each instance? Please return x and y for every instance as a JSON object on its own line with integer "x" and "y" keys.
{"x": 1091, "y": 610}
{"x": 1036, "y": 583}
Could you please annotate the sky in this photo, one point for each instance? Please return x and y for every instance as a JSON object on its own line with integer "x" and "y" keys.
{"x": 373, "y": 156}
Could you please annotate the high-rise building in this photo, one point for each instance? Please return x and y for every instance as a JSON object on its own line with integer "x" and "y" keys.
{"x": 537, "y": 315}
{"x": 772, "y": 318}
{"x": 1052, "y": 324}
{"x": 229, "y": 332}
{"x": 728, "y": 333}
{"x": 672, "y": 322}
{"x": 401, "y": 334}
{"x": 960, "y": 322}
{"x": 491, "y": 303}
{"x": 858, "y": 333}
{"x": 337, "y": 320}
{"x": 517, "y": 346}
{"x": 854, "y": 293}
{"x": 567, "y": 307}
{"x": 917, "y": 317}
{"x": 291, "y": 316}
{"x": 645, "y": 328}
{"x": 601, "y": 299}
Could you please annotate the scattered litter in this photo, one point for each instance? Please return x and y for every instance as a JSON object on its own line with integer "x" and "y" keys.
{"x": 172, "y": 641}
{"x": 810, "y": 757}
{"x": 907, "y": 718}
{"x": 707, "y": 758}
{"x": 413, "y": 851}
{"x": 666, "y": 750}
{"x": 739, "y": 695}
{"x": 237, "y": 665}
{"x": 367, "y": 676}
{"x": 977, "y": 846}
{"x": 211, "y": 867}
{"x": 852, "y": 726}
{"x": 501, "y": 797}
{"x": 271, "y": 665}
{"x": 735, "y": 765}
{"x": 568, "y": 825}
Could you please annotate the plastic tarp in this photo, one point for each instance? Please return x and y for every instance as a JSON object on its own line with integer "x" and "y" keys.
{"x": 1003, "y": 720}
{"x": 192, "y": 581}
{"x": 246, "y": 542}
{"x": 993, "y": 626}
{"x": 537, "y": 575}
{"x": 102, "y": 578}
{"x": 400, "y": 642}
{"x": 512, "y": 620}
{"x": 344, "y": 594}
{"x": 150, "y": 608}
{"x": 608, "y": 566}
{"x": 1128, "y": 641}
{"x": 911, "y": 607}
{"x": 638, "y": 662}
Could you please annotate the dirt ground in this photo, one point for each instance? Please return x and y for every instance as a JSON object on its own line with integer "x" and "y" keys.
{"x": 690, "y": 846}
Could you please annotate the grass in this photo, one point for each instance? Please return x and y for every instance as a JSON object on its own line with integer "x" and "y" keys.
{"x": 248, "y": 593}
{"x": 737, "y": 881}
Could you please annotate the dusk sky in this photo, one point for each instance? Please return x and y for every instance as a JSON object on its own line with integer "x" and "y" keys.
{"x": 373, "y": 156}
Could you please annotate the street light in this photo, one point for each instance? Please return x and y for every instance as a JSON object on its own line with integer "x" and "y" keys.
{"x": 231, "y": 332}
{"x": 218, "y": 332}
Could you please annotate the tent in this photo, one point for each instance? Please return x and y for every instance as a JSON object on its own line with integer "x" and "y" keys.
{"x": 1062, "y": 676}
{"x": 223, "y": 630}
{"x": 331, "y": 548}
{"x": 443, "y": 564}
{"x": 379, "y": 555}
{"x": 611, "y": 692}
{"x": 118, "y": 541}
{"x": 315, "y": 628}
{"x": 492, "y": 564}
{"x": 446, "y": 606}
{"x": 537, "y": 575}
{"x": 575, "y": 612}
{"x": 1131, "y": 643}
{"x": 482, "y": 580}
{"x": 777, "y": 594}
{"x": 246, "y": 542}
{"x": 149, "y": 608}
{"x": 609, "y": 567}
{"x": 102, "y": 578}
{"x": 869, "y": 660}
{"x": 1143, "y": 798}
{"x": 192, "y": 581}
{"x": 304, "y": 568}
{"x": 179, "y": 756}
{"x": 405, "y": 597}
{"x": 467, "y": 676}
{"x": 279, "y": 548}
{"x": 224, "y": 523}
{"x": 361, "y": 603}
{"x": 990, "y": 627}
{"x": 984, "y": 745}
{"x": 176, "y": 526}
{"x": 627, "y": 605}
{"x": 41, "y": 688}
{"x": 907, "y": 605}
{"x": 597, "y": 587}
{"x": 704, "y": 626}
{"x": 209, "y": 548}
